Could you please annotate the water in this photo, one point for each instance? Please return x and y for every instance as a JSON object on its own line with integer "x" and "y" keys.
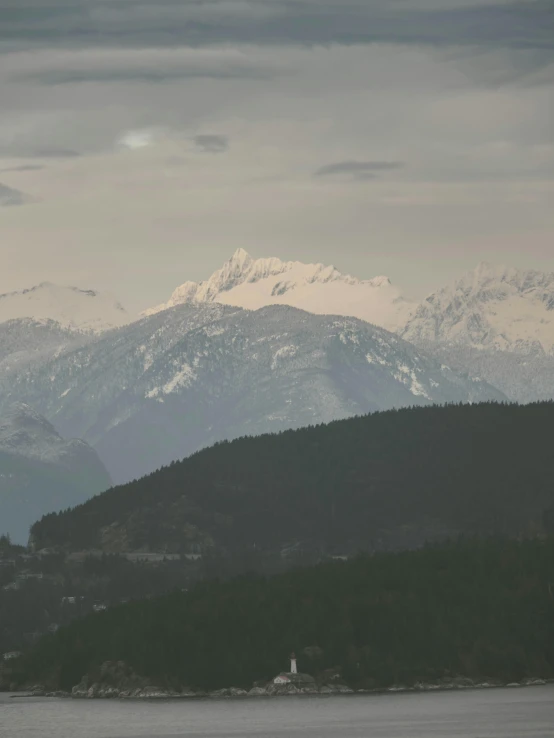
{"x": 495, "y": 713}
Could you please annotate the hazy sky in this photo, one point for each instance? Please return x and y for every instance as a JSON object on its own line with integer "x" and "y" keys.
{"x": 143, "y": 141}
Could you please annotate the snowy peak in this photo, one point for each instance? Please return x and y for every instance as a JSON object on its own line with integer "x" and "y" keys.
{"x": 70, "y": 307}
{"x": 496, "y": 276}
{"x": 318, "y": 288}
{"x": 494, "y": 307}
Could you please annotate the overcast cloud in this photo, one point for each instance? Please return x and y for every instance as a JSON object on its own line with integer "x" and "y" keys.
{"x": 153, "y": 137}
{"x": 523, "y": 24}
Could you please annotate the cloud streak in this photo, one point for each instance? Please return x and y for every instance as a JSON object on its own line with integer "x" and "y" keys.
{"x": 211, "y": 143}
{"x": 23, "y": 168}
{"x": 357, "y": 170}
{"x": 140, "y": 66}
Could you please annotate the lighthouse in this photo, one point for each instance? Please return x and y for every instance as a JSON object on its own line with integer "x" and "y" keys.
{"x": 293, "y": 669}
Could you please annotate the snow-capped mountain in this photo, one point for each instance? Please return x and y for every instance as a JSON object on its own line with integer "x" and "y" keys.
{"x": 41, "y": 472}
{"x": 491, "y": 307}
{"x": 495, "y": 323}
{"x": 255, "y": 283}
{"x": 70, "y": 307}
{"x": 165, "y": 386}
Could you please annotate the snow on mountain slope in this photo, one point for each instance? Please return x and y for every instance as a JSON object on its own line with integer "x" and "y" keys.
{"x": 73, "y": 308}
{"x": 41, "y": 472}
{"x": 491, "y": 307}
{"x": 181, "y": 379}
{"x": 254, "y": 283}
{"x": 24, "y": 340}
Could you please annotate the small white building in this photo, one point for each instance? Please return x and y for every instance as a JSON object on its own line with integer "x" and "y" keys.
{"x": 282, "y": 679}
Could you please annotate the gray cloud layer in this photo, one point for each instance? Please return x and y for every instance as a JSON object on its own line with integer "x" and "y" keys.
{"x": 523, "y": 24}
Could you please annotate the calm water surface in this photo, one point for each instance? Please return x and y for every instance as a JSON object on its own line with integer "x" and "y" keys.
{"x": 501, "y": 713}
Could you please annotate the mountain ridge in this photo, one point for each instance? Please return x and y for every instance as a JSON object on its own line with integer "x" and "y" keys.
{"x": 183, "y": 378}
{"x": 72, "y": 308}
{"x": 393, "y": 479}
{"x": 254, "y": 283}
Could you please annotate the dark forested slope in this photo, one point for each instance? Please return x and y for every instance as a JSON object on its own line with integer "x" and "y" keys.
{"x": 482, "y": 609}
{"x": 391, "y": 479}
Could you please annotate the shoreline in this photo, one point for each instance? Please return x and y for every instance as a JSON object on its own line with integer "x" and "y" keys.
{"x": 155, "y": 693}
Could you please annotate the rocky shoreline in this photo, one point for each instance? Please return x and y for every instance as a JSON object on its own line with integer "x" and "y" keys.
{"x": 115, "y": 680}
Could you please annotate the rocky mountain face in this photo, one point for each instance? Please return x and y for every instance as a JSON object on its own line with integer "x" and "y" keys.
{"x": 491, "y": 307}
{"x": 40, "y": 471}
{"x": 495, "y": 323}
{"x": 70, "y": 307}
{"x": 255, "y": 283}
{"x": 181, "y": 379}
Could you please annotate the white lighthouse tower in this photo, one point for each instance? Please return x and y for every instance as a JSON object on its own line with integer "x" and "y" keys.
{"x": 293, "y": 669}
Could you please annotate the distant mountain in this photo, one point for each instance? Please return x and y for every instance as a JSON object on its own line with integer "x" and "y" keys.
{"x": 497, "y": 324}
{"x": 70, "y": 307}
{"x": 387, "y": 480}
{"x": 181, "y": 379}
{"x": 521, "y": 377}
{"x": 255, "y": 283}
{"x": 491, "y": 307}
{"x": 40, "y": 471}
{"x": 24, "y": 340}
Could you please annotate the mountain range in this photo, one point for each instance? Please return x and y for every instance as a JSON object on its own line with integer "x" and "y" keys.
{"x": 265, "y": 345}
{"x": 184, "y": 378}
{"x": 495, "y": 323}
{"x": 490, "y": 307}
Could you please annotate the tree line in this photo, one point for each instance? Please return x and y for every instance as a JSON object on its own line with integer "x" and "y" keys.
{"x": 483, "y": 609}
{"x": 386, "y": 481}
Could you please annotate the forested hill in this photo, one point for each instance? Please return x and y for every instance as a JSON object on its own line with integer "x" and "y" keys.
{"x": 480, "y": 609}
{"x": 388, "y": 480}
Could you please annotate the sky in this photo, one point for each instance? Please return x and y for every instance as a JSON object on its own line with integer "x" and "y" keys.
{"x": 143, "y": 141}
